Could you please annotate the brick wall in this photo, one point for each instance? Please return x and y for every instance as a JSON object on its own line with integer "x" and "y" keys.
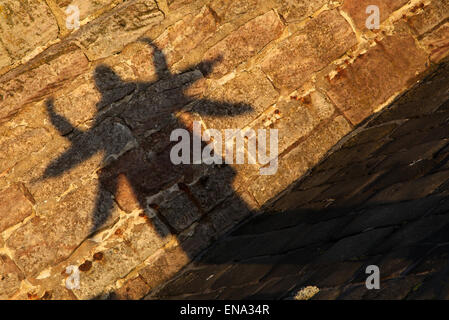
{"x": 86, "y": 116}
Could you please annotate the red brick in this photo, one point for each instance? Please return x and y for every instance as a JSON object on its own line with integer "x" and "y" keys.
{"x": 357, "y": 9}
{"x": 60, "y": 228}
{"x": 323, "y": 40}
{"x": 437, "y": 43}
{"x": 430, "y": 16}
{"x": 244, "y": 42}
{"x": 10, "y": 277}
{"x": 14, "y": 207}
{"x": 187, "y": 34}
{"x": 376, "y": 76}
{"x": 133, "y": 289}
{"x": 22, "y": 88}
{"x": 164, "y": 265}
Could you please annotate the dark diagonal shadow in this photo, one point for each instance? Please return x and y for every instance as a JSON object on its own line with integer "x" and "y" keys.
{"x": 381, "y": 199}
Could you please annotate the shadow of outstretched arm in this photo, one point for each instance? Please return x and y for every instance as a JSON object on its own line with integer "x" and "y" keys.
{"x": 159, "y": 60}
{"x": 59, "y": 122}
{"x": 74, "y": 155}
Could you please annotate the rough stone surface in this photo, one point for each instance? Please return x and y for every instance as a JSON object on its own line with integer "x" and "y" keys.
{"x": 39, "y": 81}
{"x": 296, "y": 162}
{"x": 376, "y": 76}
{"x": 123, "y": 26}
{"x": 437, "y": 43}
{"x": 15, "y": 207}
{"x": 87, "y": 8}
{"x": 134, "y": 289}
{"x": 245, "y": 42}
{"x": 250, "y": 86}
{"x": 429, "y": 17}
{"x": 25, "y": 26}
{"x": 10, "y": 278}
{"x": 52, "y": 236}
{"x": 320, "y": 42}
{"x": 357, "y": 10}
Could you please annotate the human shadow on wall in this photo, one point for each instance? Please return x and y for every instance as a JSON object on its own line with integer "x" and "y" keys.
{"x": 149, "y": 114}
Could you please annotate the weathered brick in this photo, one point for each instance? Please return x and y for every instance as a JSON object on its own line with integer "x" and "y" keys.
{"x": 164, "y": 265}
{"x": 410, "y": 104}
{"x": 188, "y": 34}
{"x": 82, "y": 99}
{"x": 429, "y": 17}
{"x": 176, "y": 206}
{"x": 19, "y": 89}
{"x": 146, "y": 235}
{"x": 298, "y": 10}
{"x": 228, "y": 214}
{"x": 176, "y": 4}
{"x": 133, "y": 289}
{"x": 14, "y": 207}
{"x": 239, "y": 11}
{"x": 151, "y": 109}
{"x": 24, "y": 26}
{"x": 376, "y": 76}
{"x": 10, "y": 278}
{"x": 321, "y": 41}
{"x": 357, "y": 9}
{"x": 136, "y": 62}
{"x": 81, "y": 158}
{"x": 197, "y": 238}
{"x": 296, "y": 162}
{"x": 241, "y": 99}
{"x": 213, "y": 188}
{"x": 245, "y": 42}
{"x": 139, "y": 238}
{"x": 51, "y": 237}
{"x": 317, "y": 144}
{"x": 5, "y": 59}
{"x": 291, "y": 10}
{"x": 18, "y": 142}
{"x": 125, "y": 25}
{"x": 118, "y": 261}
{"x": 87, "y": 8}
{"x": 296, "y": 119}
{"x": 437, "y": 43}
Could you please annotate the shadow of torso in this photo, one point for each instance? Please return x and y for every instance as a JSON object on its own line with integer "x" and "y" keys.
{"x": 134, "y": 141}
